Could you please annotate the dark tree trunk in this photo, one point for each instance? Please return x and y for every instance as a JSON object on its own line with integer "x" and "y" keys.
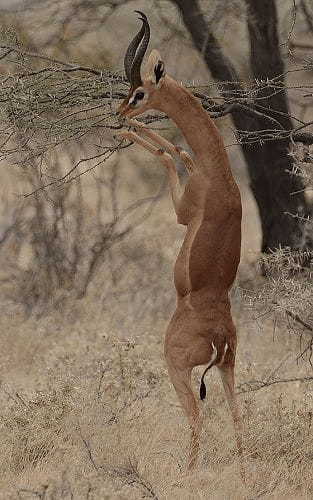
{"x": 268, "y": 163}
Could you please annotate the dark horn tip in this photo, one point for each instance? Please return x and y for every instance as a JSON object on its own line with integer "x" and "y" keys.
{"x": 142, "y": 14}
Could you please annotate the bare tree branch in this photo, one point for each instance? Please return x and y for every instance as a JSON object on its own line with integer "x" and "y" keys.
{"x": 256, "y": 385}
{"x": 268, "y": 161}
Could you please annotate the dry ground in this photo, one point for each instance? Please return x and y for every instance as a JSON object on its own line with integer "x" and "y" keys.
{"x": 87, "y": 411}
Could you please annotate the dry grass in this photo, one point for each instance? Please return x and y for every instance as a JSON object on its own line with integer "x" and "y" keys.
{"x": 85, "y": 410}
{"x": 88, "y": 412}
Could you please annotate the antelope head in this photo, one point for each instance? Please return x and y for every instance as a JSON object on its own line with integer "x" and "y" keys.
{"x": 143, "y": 94}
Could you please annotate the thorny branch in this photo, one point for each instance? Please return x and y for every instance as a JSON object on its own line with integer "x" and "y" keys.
{"x": 48, "y": 104}
{"x": 132, "y": 477}
{"x": 256, "y": 385}
{"x": 127, "y": 475}
{"x": 287, "y": 294}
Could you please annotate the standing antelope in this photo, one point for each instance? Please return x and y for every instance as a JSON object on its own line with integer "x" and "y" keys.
{"x": 201, "y": 330}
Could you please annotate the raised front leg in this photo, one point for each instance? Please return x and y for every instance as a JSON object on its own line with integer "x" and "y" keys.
{"x": 141, "y": 129}
{"x": 167, "y": 161}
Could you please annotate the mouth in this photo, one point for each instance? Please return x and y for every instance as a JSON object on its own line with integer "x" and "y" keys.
{"x": 123, "y": 109}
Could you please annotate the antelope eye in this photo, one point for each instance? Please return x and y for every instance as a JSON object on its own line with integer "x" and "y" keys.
{"x": 140, "y": 95}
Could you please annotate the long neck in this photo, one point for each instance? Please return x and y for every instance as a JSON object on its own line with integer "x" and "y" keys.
{"x": 198, "y": 129}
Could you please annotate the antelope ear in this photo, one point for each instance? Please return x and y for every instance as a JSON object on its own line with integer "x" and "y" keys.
{"x": 155, "y": 71}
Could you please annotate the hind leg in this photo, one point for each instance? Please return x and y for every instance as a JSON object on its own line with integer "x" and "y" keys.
{"x": 180, "y": 377}
{"x": 182, "y": 353}
{"x": 228, "y": 378}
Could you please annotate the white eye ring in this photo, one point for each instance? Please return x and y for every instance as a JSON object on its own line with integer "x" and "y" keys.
{"x": 138, "y": 98}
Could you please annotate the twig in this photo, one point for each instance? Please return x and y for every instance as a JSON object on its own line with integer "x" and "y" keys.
{"x": 256, "y": 385}
{"x": 131, "y": 476}
{"x": 87, "y": 446}
{"x": 295, "y": 317}
{"x": 293, "y": 22}
{"x": 70, "y": 66}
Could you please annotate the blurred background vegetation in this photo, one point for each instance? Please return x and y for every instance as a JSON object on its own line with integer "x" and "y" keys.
{"x": 88, "y": 240}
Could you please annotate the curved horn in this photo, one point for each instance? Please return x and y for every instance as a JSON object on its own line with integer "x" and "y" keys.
{"x": 135, "y": 77}
{"x": 131, "y": 51}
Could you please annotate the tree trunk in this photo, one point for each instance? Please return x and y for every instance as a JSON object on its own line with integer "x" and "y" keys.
{"x": 278, "y": 193}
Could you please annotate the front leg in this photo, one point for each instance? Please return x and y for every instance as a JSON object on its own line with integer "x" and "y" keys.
{"x": 141, "y": 129}
{"x": 167, "y": 161}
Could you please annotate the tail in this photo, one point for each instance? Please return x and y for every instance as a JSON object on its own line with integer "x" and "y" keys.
{"x": 202, "y": 384}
